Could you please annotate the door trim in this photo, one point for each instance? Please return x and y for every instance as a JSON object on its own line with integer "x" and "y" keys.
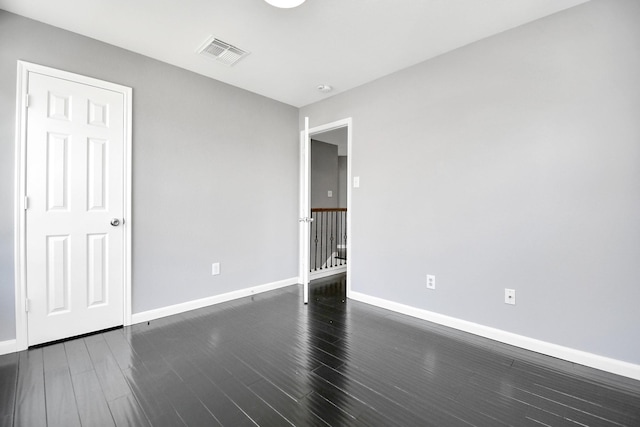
{"x": 24, "y": 68}
{"x": 348, "y": 123}
{"x": 305, "y": 209}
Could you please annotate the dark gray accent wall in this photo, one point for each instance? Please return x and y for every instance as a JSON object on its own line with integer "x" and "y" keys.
{"x": 324, "y": 175}
{"x": 343, "y": 166}
{"x": 513, "y": 162}
{"x": 215, "y": 171}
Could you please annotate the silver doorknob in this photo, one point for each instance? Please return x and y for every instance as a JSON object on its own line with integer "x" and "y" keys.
{"x": 115, "y": 222}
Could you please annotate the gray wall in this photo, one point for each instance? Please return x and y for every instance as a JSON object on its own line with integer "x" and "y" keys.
{"x": 336, "y": 137}
{"x": 324, "y": 175}
{"x": 343, "y": 170}
{"x": 515, "y": 163}
{"x": 206, "y": 186}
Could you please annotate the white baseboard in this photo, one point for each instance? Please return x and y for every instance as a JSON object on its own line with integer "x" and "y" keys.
{"x": 607, "y": 364}
{"x": 327, "y": 272}
{"x": 157, "y": 313}
{"x": 9, "y": 346}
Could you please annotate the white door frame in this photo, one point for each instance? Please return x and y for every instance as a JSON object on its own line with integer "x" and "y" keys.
{"x": 304, "y": 211}
{"x": 24, "y": 68}
{"x": 348, "y": 123}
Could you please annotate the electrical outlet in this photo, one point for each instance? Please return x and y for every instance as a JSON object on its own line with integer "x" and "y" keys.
{"x": 510, "y": 296}
{"x": 215, "y": 268}
{"x": 431, "y": 281}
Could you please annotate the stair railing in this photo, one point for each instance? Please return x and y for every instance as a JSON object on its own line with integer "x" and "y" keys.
{"x": 328, "y": 238}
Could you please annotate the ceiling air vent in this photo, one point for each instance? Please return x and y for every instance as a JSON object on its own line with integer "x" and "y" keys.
{"x": 222, "y": 51}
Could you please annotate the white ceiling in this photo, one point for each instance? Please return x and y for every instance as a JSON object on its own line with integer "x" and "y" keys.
{"x": 342, "y": 43}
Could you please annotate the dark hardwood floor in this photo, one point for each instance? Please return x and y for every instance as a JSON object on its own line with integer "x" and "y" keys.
{"x": 268, "y": 360}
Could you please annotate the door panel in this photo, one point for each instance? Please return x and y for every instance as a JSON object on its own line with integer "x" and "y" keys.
{"x": 57, "y": 174}
{"x": 57, "y": 280}
{"x": 75, "y": 185}
{"x": 97, "y": 265}
{"x": 96, "y": 172}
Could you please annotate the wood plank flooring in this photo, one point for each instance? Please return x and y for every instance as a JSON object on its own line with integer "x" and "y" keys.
{"x": 268, "y": 360}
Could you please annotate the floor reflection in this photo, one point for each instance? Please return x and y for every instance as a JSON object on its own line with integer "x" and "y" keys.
{"x": 328, "y": 329}
{"x": 270, "y": 360}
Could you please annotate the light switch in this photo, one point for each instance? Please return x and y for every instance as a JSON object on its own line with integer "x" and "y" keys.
{"x": 329, "y": 193}
{"x": 356, "y": 181}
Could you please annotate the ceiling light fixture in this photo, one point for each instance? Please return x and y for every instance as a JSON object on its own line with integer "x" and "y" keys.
{"x": 285, "y": 4}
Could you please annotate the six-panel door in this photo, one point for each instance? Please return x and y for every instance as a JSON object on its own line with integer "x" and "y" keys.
{"x": 74, "y": 184}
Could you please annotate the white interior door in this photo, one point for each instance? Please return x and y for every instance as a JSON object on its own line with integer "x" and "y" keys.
{"x": 305, "y": 208}
{"x": 74, "y": 241}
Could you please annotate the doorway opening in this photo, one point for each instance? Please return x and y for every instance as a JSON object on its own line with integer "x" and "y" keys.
{"x": 328, "y": 201}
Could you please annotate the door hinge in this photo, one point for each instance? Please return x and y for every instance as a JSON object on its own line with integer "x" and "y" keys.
{"x": 26, "y": 100}
{"x": 26, "y": 203}
{"x": 26, "y": 305}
